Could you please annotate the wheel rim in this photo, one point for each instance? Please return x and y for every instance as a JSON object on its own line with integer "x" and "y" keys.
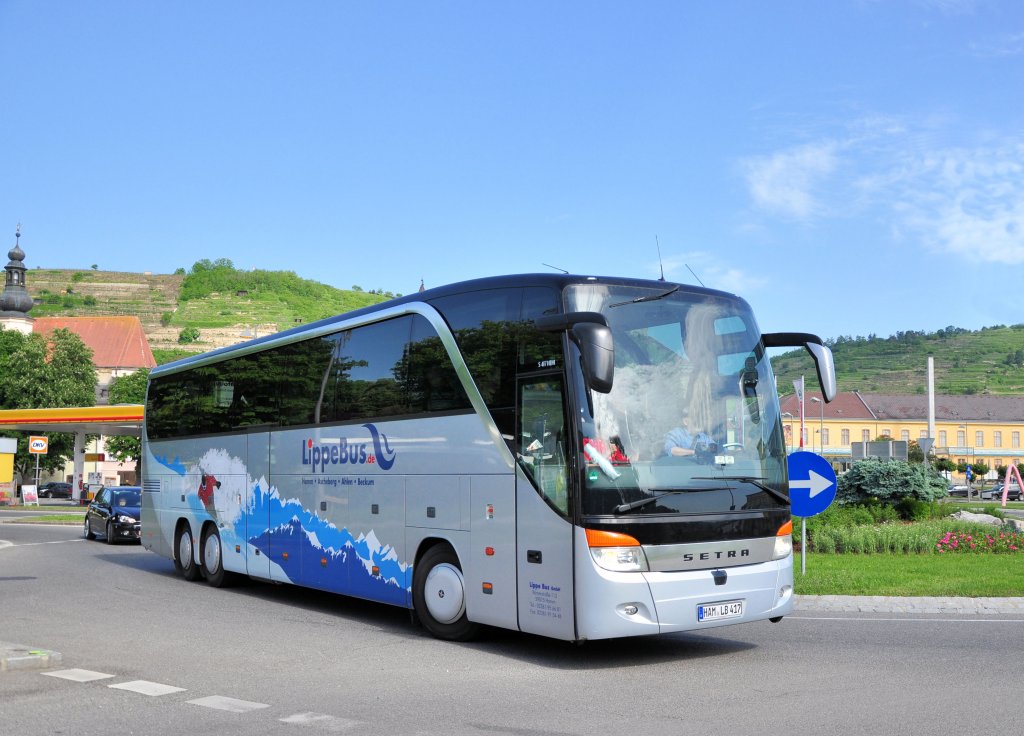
{"x": 185, "y": 549}
{"x": 444, "y": 593}
{"x": 211, "y": 553}
{"x": 88, "y": 528}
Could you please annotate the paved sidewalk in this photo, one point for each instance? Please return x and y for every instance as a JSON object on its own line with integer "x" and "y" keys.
{"x": 884, "y": 604}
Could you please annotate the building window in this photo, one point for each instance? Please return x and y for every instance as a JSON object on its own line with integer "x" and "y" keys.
{"x": 846, "y": 437}
{"x": 942, "y": 438}
{"x": 865, "y": 435}
{"x": 997, "y": 439}
{"x": 923, "y": 434}
{"x": 887, "y": 433}
{"x": 979, "y": 439}
{"x": 1015, "y": 439}
{"x": 905, "y": 435}
{"x": 961, "y": 438}
{"x": 824, "y": 438}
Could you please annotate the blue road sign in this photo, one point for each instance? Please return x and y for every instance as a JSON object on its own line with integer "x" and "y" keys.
{"x": 812, "y": 483}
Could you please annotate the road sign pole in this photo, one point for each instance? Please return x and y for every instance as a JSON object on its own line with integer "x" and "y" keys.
{"x": 803, "y": 545}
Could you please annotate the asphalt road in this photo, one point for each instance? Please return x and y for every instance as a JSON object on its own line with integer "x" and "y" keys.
{"x": 268, "y": 659}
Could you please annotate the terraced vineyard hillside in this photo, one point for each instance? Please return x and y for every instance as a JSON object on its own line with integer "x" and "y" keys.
{"x": 216, "y": 303}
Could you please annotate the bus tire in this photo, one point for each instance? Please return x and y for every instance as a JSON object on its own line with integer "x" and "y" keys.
{"x": 212, "y": 555}
{"x": 439, "y": 595}
{"x": 184, "y": 555}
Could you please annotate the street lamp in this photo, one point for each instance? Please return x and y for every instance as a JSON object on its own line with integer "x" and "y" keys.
{"x": 821, "y": 423}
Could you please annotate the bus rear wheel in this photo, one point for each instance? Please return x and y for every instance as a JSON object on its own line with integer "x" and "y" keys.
{"x": 212, "y": 556}
{"x": 439, "y": 595}
{"x": 184, "y": 557}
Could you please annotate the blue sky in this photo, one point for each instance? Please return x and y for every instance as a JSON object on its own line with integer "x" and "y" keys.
{"x": 850, "y": 167}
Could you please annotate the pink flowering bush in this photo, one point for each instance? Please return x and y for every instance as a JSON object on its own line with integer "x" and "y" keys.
{"x": 981, "y": 542}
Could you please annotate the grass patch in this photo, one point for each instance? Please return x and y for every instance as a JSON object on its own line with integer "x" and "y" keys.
{"x": 983, "y": 575}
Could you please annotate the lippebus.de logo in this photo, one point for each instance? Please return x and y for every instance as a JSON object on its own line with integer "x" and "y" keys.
{"x": 343, "y": 451}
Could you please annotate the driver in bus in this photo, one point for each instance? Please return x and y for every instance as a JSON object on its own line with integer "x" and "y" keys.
{"x": 687, "y": 440}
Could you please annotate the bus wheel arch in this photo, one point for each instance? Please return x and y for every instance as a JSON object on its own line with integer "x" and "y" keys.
{"x": 211, "y": 556}
{"x": 439, "y": 593}
{"x": 184, "y": 551}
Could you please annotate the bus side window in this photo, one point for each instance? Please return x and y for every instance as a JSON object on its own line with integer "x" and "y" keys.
{"x": 541, "y": 437}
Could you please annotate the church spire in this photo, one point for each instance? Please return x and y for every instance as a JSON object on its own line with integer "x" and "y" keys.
{"x": 15, "y": 302}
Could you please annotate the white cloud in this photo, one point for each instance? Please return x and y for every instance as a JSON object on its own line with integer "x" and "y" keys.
{"x": 785, "y": 182}
{"x": 968, "y": 202}
{"x": 964, "y": 201}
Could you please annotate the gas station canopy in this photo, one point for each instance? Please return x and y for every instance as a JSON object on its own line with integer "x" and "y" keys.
{"x": 122, "y": 419}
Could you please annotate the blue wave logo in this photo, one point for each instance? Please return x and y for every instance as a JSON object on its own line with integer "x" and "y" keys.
{"x": 385, "y": 456}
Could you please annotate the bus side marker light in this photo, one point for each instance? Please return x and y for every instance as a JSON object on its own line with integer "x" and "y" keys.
{"x": 284, "y": 556}
{"x": 488, "y": 589}
{"x": 489, "y": 551}
{"x": 238, "y": 548}
{"x": 323, "y": 562}
{"x": 375, "y": 571}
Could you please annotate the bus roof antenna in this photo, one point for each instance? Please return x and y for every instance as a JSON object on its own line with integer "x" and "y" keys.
{"x": 554, "y": 267}
{"x": 695, "y": 275}
{"x": 660, "y": 264}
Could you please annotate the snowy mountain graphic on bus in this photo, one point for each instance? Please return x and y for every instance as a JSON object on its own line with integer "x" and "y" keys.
{"x": 315, "y": 552}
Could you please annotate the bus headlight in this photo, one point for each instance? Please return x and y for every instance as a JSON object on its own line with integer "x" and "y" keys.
{"x": 783, "y": 541}
{"x": 616, "y": 552}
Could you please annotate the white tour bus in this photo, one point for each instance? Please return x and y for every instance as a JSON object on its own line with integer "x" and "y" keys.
{"x": 572, "y": 456}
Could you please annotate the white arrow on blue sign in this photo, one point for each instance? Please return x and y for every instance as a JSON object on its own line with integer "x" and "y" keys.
{"x": 812, "y": 483}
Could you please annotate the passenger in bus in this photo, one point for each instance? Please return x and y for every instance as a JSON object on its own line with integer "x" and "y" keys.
{"x": 687, "y": 440}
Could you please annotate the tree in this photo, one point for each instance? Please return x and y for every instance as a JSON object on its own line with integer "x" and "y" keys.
{"x": 130, "y": 389}
{"x": 39, "y": 372}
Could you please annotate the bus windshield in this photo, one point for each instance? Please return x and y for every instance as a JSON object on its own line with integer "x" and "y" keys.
{"x": 692, "y": 424}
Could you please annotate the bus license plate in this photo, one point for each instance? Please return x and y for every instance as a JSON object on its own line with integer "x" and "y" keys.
{"x": 719, "y": 611}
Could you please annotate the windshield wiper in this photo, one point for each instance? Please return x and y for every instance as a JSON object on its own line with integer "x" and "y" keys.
{"x": 754, "y": 481}
{"x": 624, "y": 507}
{"x": 648, "y": 298}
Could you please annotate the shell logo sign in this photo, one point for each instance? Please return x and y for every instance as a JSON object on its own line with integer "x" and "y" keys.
{"x": 38, "y": 445}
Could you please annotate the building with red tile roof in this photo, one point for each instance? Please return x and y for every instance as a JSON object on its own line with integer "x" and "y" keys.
{"x": 968, "y": 428}
{"x": 119, "y": 345}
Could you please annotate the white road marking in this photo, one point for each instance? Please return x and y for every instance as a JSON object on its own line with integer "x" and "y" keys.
{"x": 219, "y": 702}
{"x": 145, "y": 687}
{"x": 321, "y": 721}
{"x": 77, "y": 675}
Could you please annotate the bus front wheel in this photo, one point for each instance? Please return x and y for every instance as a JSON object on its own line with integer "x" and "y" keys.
{"x": 184, "y": 558}
{"x": 439, "y": 595}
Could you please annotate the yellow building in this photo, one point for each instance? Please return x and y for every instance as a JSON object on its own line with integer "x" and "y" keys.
{"x": 985, "y": 429}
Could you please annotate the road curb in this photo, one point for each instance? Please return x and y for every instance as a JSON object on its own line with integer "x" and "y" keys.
{"x": 21, "y": 657}
{"x": 907, "y": 604}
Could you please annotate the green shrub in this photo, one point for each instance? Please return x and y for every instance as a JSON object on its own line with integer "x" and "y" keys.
{"x": 89, "y": 300}
{"x": 165, "y": 318}
{"x": 889, "y": 482}
{"x": 188, "y": 335}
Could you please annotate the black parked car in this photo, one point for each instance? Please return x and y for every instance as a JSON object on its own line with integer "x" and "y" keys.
{"x": 55, "y": 489}
{"x": 114, "y": 513}
{"x": 996, "y": 493}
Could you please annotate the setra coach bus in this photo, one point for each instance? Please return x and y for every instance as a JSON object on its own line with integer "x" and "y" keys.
{"x": 573, "y": 456}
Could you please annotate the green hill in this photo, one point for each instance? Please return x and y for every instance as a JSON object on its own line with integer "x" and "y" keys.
{"x": 988, "y": 361}
{"x": 220, "y": 303}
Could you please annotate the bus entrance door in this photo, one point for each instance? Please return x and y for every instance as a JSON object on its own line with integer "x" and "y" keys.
{"x": 544, "y": 535}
